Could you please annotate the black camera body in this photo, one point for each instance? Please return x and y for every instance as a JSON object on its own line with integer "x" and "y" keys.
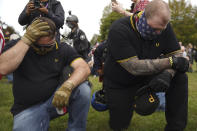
{"x": 36, "y": 3}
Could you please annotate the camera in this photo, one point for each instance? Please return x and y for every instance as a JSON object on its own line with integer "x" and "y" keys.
{"x": 36, "y": 3}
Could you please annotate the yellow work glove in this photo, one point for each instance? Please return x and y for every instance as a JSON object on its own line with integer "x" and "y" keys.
{"x": 61, "y": 97}
{"x": 34, "y": 31}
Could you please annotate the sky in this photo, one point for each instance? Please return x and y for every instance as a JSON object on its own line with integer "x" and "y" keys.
{"x": 89, "y": 13}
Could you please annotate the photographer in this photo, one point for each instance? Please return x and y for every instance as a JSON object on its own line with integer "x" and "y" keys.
{"x": 45, "y": 8}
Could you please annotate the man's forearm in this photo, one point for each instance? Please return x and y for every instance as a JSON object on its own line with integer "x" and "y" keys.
{"x": 80, "y": 73}
{"x": 11, "y": 59}
{"x": 126, "y": 13}
{"x": 146, "y": 67}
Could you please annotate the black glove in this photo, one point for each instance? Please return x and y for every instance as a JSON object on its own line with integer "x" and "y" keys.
{"x": 161, "y": 82}
{"x": 179, "y": 64}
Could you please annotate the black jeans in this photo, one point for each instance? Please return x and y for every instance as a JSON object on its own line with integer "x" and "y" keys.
{"x": 120, "y": 102}
{"x": 177, "y": 103}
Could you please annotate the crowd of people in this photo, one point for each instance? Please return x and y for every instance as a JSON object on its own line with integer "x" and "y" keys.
{"x": 140, "y": 59}
{"x": 190, "y": 52}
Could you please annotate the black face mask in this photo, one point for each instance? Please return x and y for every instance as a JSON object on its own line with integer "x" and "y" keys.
{"x": 42, "y": 49}
{"x": 70, "y": 25}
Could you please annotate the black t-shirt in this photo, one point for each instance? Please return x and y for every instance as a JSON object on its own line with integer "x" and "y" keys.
{"x": 124, "y": 42}
{"x": 38, "y": 76}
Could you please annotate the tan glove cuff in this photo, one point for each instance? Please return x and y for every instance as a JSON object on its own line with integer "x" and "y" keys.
{"x": 26, "y": 41}
{"x": 68, "y": 86}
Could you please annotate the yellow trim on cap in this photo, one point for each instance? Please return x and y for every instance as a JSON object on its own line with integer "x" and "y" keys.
{"x": 75, "y": 60}
{"x": 124, "y": 60}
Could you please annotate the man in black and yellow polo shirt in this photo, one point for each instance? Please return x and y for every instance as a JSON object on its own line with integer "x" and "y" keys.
{"x": 135, "y": 47}
{"x": 37, "y": 62}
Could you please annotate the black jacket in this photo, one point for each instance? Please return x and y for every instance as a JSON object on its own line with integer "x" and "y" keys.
{"x": 80, "y": 43}
{"x": 56, "y": 13}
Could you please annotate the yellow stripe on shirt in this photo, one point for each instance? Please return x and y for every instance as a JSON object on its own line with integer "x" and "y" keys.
{"x": 174, "y": 52}
{"x": 75, "y": 60}
{"x": 124, "y": 60}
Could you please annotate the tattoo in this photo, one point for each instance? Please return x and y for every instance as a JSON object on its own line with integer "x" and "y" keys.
{"x": 148, "y": 66}
{"x": 145, "y": 67}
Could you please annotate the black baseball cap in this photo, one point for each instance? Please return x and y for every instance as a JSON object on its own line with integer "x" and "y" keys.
{"x": 146, "y": 101}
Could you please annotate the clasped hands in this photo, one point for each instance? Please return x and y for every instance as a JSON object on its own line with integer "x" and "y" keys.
{"x": 161, "y": 82}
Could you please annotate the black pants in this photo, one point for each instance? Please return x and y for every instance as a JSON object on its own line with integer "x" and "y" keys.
{"x": 120, "y": 102}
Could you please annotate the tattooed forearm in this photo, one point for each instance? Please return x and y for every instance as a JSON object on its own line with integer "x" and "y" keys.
{"x": 145, "y": 67}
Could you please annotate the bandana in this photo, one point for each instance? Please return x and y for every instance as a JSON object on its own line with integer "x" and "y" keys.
{"x": 147, "y": 32}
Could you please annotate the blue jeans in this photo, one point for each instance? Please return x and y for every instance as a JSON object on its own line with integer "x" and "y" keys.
{"x": 10, "y": 77}
{"x": 37, "y": 117}
{"x": 162, "y": 103}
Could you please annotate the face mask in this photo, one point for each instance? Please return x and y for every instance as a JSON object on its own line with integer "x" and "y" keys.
{"x": 70, "y": 25}
{"x": 42, "y": 49}
{"x": 147, "y": 32}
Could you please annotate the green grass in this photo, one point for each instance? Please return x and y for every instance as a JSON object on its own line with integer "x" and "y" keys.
{"x": 98, "y": 121}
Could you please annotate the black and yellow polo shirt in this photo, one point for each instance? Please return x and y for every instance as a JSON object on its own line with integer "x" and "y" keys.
{"x": 38, "y": 76}
{"x": 124, "y": 42}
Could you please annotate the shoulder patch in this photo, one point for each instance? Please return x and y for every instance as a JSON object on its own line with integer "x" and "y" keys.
{"x": 82, "y": 37}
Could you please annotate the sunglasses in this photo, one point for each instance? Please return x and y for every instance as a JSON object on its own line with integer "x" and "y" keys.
{"x": 45, "y": 45}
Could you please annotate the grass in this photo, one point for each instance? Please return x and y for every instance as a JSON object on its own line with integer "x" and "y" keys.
{"x": 98, "y": 121}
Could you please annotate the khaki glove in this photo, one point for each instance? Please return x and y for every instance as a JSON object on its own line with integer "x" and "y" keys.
{"x": 34, "y": 31}
{"x": 61, "y": 97}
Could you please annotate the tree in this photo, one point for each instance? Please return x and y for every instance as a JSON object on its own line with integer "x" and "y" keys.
{"x": 94, "y": 39}
{"x": 107, "y": 19}
{"x": 184, "y": 20}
